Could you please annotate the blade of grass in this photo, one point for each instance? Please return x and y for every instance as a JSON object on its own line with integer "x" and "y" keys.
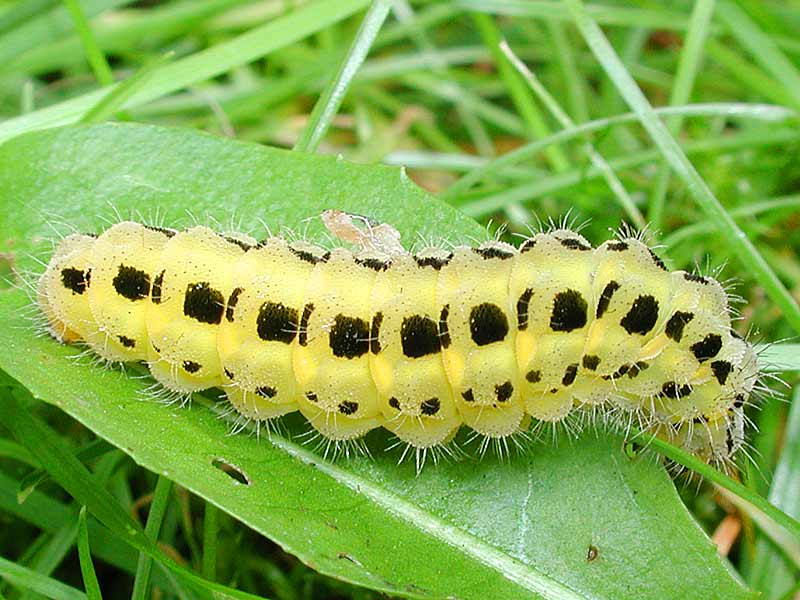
{"x": 27, "y": 579}
{"x": 474, "y": 127}
{"x": 141, "y": 584}
{"x": 748, "y": 210}
{"x": 330, "y": 100}
{"x": 90, "y": 583}
{"x": 200, "y": 66}
{"x": 14, "y": 451}
{"x": 35, "y": 478}
{"x": 44, "y": 27}
{"x": 49, "y": 515}
{"x": 778, "y": 518}
{"x": 432, "y": 135}
{"x": 126, "y": 31}
{"x": 763, "y": 49}
{"x": 210, "y": 530}
{"x": 764, "y": 111}
{"x": 94, "y": 55}
{"x": 448, "y": 90}
{"x": 566, "y": 122}
{"x": 22, "y": 11}
{"x": 608, "y": 14}
{"x": 574, "y": 82}
{"x": 689, "y": 62}
{"x": 427, "y": 17}
{"x": 112, "y": 103}
{"x": 58, "y": 459}
{"x": 522, "y": 99}
{"x": 746, "y": 73}
{"x": 539, "y": 186}
{"x": 673, "y": 154}
{"x": 48, "y": 556}
{"x": 770, "y": 573}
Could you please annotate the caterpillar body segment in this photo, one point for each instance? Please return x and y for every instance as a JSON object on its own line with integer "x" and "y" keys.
{"x": 478, "y": 338}
{"x": 332, "y": 365}
{"x": 187, "y": 308}
{"x": 62, "y": 292}
{"x": 550, "y": 289}
{"x": 121, "y": 318}
{"x": 490, "y": 337}
{"x": 415, "y": 395}
{"x": 260, "y": 328}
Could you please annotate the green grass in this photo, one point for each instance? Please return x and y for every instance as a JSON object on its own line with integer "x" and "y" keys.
{"x": 683, "y": 117}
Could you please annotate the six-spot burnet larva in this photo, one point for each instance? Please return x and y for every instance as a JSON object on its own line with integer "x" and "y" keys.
{"x": 491, "y": 337}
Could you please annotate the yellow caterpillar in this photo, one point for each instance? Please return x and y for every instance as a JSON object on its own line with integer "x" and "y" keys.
{"x": 490, "y": 336}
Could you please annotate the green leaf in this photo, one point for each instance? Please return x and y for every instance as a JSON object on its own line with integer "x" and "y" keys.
{"x": 572, "y": 519}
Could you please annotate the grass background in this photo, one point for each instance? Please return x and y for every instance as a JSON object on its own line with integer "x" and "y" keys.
{"x": 428, "y": 85}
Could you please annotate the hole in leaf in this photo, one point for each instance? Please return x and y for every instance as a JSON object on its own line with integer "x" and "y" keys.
{"x": 230, "y": 470}
{"x": 592, "y": 553}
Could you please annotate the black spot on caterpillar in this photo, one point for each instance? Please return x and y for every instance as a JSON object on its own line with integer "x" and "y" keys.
{"x": 348, "y": 407}
{"x": 504, "y": 391}
{"x": 575, "y": 244}
{"x": 491, "y": 252}
{"x": 276, "y": 322}
{"x": 433, "y": 262}
{"x": 266, "y": 391}
{"x": 430, "y": 406}
{"x": 241, "y": 243}
{"x": 605, "y": 298}
{"x": 132, "y": 283}
{"x": 303, "y": 335}
{"x": 487, "y": 324}
{"x": 569, "y": 311}
{"x": 165, "y": 230}
{"x": 708, "y": 347}
{"x": 591, "y": 362}
{"x": 419, "y": 336}
{"x": 155, "y": 293}
{"x": 444, "y": 332}
{"x": 75, "y": 280}
{"x": 373, "y": 263}
{"x": 522, "y": 309}
{"x": 349, "y": 337}
{"x": 374, "y": 332}
{"x": 642, "y": 316}
{"x": 569, "y": 375}
{"x": 234, "y": 298}
{"x": 676, "y": 323}
{"x": 203, "y": 303}
{"x": 190, "y": 366}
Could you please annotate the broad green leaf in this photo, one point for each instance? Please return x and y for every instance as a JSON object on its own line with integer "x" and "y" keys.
{"x": 574, "y": 518}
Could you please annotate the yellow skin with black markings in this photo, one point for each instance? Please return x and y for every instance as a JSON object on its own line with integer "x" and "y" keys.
{"x": 489, "y": 337}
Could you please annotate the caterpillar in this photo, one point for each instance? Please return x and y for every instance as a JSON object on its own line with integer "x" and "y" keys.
{"x": 491, "y": 337}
